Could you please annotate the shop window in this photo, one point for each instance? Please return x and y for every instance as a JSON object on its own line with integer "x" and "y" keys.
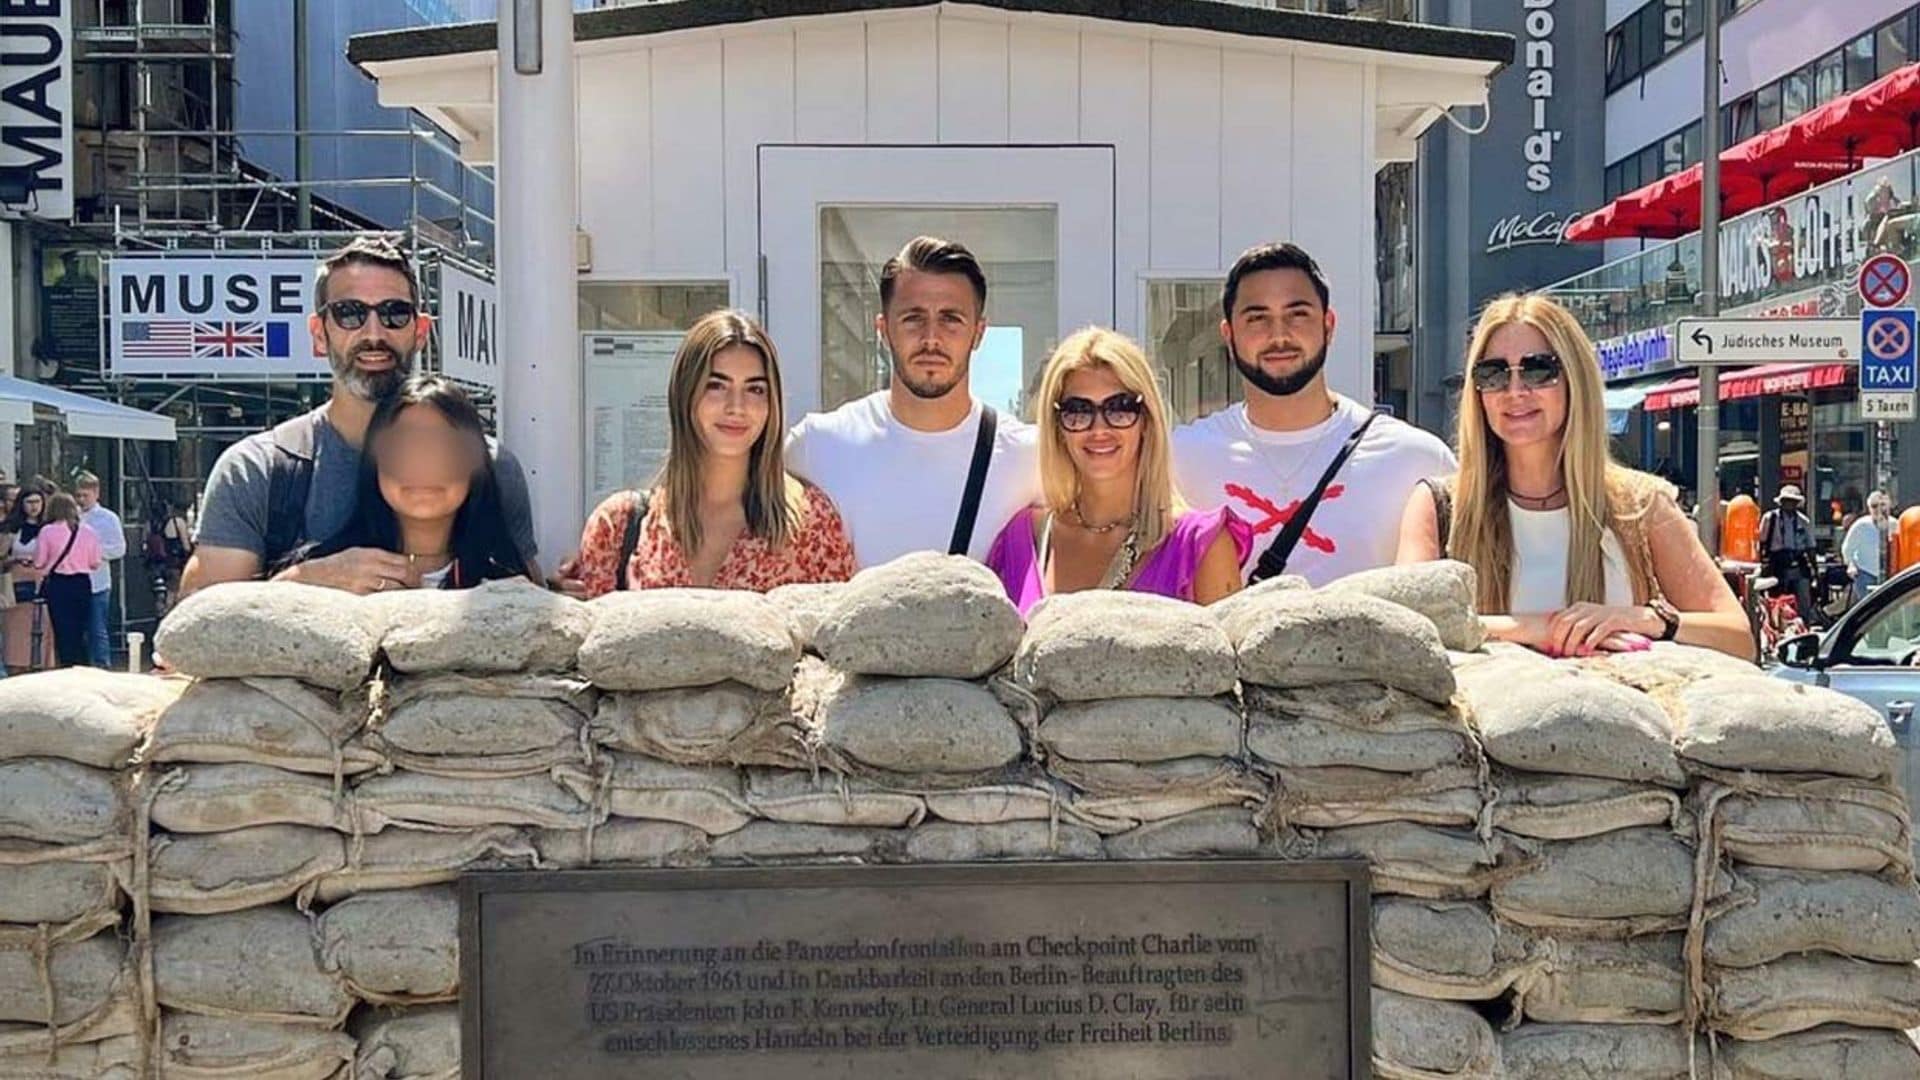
{"x": 1766, "y": 107}
{"x": 1183, "y": 342}
{"x": 1017, "y": 247}
{"x": 1859, "y": 60}
{"x": 648, "y": 305}
{"x": 1829, "y": 78}
{"x": 1893, "y": 45}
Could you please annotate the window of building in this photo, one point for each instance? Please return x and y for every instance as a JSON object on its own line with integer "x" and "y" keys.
{"x": 1795, "y": 91}
{"x": 1859, "y": 60}
{"x": 1653, "y": 43}
{"x": 1766, "y": 107}
{"x": 1829, "y": 78}
{"x": 648, "y": 305}
{"x": 1691, "y": 143}
{"x": 1743, "y": 121}
{"x": 1673, "y": 153}
{"x": 1183, "y": 342}
{"x": 1893, "y": 45}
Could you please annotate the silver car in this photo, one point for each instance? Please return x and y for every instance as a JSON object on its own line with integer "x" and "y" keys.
{"x": 1871, "y": 654}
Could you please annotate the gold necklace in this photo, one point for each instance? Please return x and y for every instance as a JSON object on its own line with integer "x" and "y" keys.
{"x": 1101, "y": 530}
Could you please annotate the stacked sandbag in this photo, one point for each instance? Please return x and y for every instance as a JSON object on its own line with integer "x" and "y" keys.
{"x": 1139, "y": 717}
{"x": 68, "y": 831}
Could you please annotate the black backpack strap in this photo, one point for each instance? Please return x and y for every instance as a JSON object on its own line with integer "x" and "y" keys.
{"x": 1442, "y": 492}
{"x": 1273, "y": 562}
{"x": 289, "y": 477}
{"x": 638, "y": 502}
{"x": 976, "y": 482}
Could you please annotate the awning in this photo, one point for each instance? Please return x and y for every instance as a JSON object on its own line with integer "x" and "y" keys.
{"x": 84, "y": 416}
{"x": 1621, "y": 401}
{"x": 1752, "y": 382}
{"x": 1881, "y": 119}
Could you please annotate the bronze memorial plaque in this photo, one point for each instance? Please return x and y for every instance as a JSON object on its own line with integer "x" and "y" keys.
{"x": 1077, "y": 971}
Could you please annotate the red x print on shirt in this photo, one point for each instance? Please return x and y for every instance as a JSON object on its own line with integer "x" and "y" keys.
{"x": 1277, "y": 516}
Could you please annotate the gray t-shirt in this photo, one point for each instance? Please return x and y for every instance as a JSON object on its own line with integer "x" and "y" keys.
{"x": 234, "y": 510}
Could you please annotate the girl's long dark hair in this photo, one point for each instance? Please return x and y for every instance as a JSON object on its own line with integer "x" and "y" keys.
{"x": 482, "y": 546}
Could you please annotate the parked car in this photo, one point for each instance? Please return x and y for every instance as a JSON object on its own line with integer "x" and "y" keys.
{"x": 1872, "y": 653}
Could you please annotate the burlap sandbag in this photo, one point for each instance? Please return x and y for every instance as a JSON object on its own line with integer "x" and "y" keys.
{"x": 81, "y": 714}
{"x": 421, "y": 1043}
{"x": 916, "y": 726}
{"x": 1135, "y": 792}
{"x": 622, "y": 842}
{"x": 217, "y": 1048}
{"x": 709, "y": 798}
{"x": 1665, "y": 667}
{"x": 1634, "y": 981}
{"x": 1827, "y": 825}
{"x": 279, "y": 723}
{"x": 1098, "y": 644}
{"x": 1567, "y": 722}
{"x": 1800, "y": 992}
{"x": 1313, "y": 638}
{"x": 1781, "y": 912}
{"x": 1413, "y": 860}
{"x": 272, "y": 628}
{"x": 1338, "y": 796}
{"x": 1552, "y": 806}
{"x": 228, "y": 871}
{"x": 114, "y": 1058}
{"x": 1452, "y": 950}
{"x": 220, "y": 798}
{"x": 1828, "y": 1052}
{"x": 1414, "y": 1039}
{"x": 395, "y": 948}
{"x": 1443, "y": 591}
{"x": 1029, "y": 798}
{"x": 775, "y": 843}
{"x": 462, "y": 725}
{"x": 1143, "y": 729}
{"x": 729, "y": 723}
{"x": 926, "y": 614}
{"x": 949, "y": 842}
{"x": 497, "y": 626}
{"x": 257, "y": 964}
{"x": 1760, "y": 723}
{"x": 803, "y": 798}
{"x": 1358, "y": 724}
{"x": 664, "y": 639}
{"x": 408, "y": 858}
{"x": 60, "y": 892}
{"x": 1641, "y": 878}
{"x": 58, "y": 802}
{"x": 1599, "y": 1052}
{"x": 84, "y": 977}
{"x": 1256, "y": 594}
{"x": 806, "y": 605}
{"x": 416, "y": 800}
{"x": 1222, "y": 832}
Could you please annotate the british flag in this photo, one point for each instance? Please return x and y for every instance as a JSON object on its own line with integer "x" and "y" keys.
{"x": 232, "y": 340}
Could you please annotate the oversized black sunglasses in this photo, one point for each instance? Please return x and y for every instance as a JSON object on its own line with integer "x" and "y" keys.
{"x": 1119, "y": 411}
{"x": 1537, "y": 372}
{"x": 352, "y": 314}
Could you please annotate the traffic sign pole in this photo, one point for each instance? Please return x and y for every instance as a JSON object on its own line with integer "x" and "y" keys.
{"x": 1707, "y": 465}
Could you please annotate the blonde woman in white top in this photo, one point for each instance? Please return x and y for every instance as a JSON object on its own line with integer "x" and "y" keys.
{"x": 1575, "y": 554}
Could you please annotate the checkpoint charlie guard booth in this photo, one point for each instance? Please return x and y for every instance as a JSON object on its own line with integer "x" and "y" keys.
{"x": 1106, "y": 160}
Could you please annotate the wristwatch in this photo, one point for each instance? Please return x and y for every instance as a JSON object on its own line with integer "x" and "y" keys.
{"x": 1667, "y": 614}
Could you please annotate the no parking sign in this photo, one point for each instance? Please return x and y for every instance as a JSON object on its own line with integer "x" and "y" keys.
{"x": 1889, "y": 363}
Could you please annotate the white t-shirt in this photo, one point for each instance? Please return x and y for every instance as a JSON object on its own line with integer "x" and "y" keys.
{"x": 898, "y": 490}
{"x": 1223, "y": 460}
{"x": 1539, "y": 582}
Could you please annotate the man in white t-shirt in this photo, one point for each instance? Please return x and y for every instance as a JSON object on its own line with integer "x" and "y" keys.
{"x": 896, "y": 462}
{"x": 1264, "y": 457}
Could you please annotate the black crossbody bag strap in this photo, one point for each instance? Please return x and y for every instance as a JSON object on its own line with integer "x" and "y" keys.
{"x": 638, "y": 502}
{"x": 976, "y": 482}
{"x": 1273, "y": 561}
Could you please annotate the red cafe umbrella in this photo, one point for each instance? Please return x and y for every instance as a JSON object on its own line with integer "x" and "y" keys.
{"x": 1881, "y": 119}
{"x": 1781, "y": 161}
{"x": 1626, "y": 218}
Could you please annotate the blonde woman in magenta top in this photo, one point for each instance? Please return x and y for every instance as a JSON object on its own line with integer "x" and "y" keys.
{"x": 1110, "y": 519}
{"x": 724, "y": 513}
{"x": 1575, "y": 554}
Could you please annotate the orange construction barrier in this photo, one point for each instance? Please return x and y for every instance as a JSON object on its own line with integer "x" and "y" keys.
{"x": 1906, "y": 539}
{"x": 1740, "y": 530}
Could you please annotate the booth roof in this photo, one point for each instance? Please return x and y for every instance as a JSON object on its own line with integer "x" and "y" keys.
{"x": 1228, "y": 18}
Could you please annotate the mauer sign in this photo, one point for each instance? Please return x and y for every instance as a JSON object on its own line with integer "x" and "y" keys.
{"x": 36, "y": 108}
{"x": 1539, "y": 163}
{"x": 469, "y": 328}
{"x": 210, "y": 317}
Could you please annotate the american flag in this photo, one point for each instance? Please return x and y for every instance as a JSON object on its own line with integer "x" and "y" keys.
{"x": 156, "y": 340}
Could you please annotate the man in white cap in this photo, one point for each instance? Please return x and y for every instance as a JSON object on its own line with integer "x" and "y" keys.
{"x": 1786, "y": 547}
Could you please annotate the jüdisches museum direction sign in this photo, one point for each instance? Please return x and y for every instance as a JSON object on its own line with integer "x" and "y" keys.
{"x": 1076, "y": 972}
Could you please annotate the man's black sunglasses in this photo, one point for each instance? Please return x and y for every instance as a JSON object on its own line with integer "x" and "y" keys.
{"x": 1537, "y": 372}
{"x": 352, "y": 314}
{"x": 1119, "y": 411}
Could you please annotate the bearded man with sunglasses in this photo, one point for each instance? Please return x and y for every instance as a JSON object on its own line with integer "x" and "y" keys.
{"x": 1320, "y": 477}
{"x": 272, "y": 493}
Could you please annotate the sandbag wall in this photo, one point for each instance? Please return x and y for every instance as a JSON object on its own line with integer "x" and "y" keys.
{"x": 1656, "y": 865}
